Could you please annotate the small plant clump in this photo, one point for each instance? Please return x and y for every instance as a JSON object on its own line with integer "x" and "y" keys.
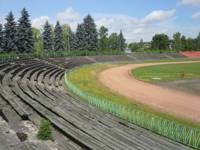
{"x": 182, "y": 75}
{"x": 45, "y": 131}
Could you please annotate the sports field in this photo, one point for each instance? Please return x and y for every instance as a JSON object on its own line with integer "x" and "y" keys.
{"x": 161, "y": 73}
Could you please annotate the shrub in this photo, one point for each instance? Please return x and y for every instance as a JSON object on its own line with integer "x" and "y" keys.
{"x": 45, "y": 132}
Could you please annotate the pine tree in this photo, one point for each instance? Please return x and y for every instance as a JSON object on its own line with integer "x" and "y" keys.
{"x": 90, "y": 33}
{"x": 1, "y": 37}
{"x": 24, "y": 33}
{"x": 58, "y": 37}
{"x": 122, "y": 44}
{"x": 80, "y": 38}
{"x": 72, "y": 42}
{"x": 47, "y": 37}
{"x": 10, "y": 39}
{"x": 103, "y": 39}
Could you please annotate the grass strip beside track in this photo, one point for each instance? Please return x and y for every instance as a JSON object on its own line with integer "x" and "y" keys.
{"x": 84, "y": 83}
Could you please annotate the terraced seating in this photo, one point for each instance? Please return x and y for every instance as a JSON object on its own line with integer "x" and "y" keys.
{"x": 36, "y": 89}
{"x": 28, "y": 145}
{"x": 70, "y": 62}
{"x": 112, "y": 58}
{"x": 150, "y": 56}
{"x": 176, "y": 55}
{"x": 190, "y": 54}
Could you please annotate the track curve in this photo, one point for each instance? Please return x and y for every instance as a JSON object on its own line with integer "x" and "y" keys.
{"x": 174, "y": 102}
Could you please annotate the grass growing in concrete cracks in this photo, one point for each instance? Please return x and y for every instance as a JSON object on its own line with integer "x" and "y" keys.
{"x": 45, "y": 131}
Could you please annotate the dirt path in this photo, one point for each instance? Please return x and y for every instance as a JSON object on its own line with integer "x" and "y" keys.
{"x": 173, "y": 102}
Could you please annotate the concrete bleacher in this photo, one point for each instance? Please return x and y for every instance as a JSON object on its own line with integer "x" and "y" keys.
{"x": 191, "y": 54}
{"x": 70, "y": 62}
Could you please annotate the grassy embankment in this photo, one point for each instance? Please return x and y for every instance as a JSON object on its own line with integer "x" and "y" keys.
{"x": 83, "y": 82}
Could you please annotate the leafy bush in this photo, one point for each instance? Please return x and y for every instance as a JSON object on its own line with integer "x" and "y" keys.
{"x": 45, "y": 132}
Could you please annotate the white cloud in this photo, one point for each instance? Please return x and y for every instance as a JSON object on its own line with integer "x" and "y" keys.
{"x": 190, "y": 2}
{"x": 196, "y": 15}
{"x": 134, "y": 28}
{"x": 115, "y": 21}
{"x": 40, "y": 21}
{"x": 158, "y": 15}
{"x": 138, "y": 31}
{"x": 69, "y": 15}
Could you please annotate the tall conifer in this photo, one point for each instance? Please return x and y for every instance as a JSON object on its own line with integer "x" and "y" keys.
{"x": 10, "y": 38}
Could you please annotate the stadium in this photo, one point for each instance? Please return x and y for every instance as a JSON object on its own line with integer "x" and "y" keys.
{"x": 90, "y": 89}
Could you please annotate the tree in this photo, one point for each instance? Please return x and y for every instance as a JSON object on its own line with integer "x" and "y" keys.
{"x": 1, "y": 37}
{"x": 114, "y": 41}
{"x": 37, "y": 38}
{"x": 10, "y": 38}
{"x": 58, "y": 37}
{"x": 134, "y": 47}
{"x": 103, "y": 39}
{"x": 90, "y": 34}
{"x": 160, "y": 42}
{"x": 47, "y": 37}
{"x": 122, "y": 42}
{"x": 198, "y": 42}
{"x": 24, "y": 33}
{"x": 137, "y": 46}
{"x": 190, "y": 44}
{"x": 65, "y": 29}
{"x": 177, "y": 43}
{"x": 184, "y": 42}
{"x": 72, "y": 42}
{"x": 80, "y": 38}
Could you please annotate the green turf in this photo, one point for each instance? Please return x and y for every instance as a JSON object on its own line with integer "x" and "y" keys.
{"x": 170, "y": 72}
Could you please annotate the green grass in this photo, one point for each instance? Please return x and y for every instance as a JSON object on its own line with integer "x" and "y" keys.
{"x": 169, "y": 72}
{"x": 83, "y": 81}
{"x": 45, "y": 131}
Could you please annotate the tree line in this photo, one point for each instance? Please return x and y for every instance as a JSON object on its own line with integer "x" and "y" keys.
{"x": 163, "y": 42}
{"x": 16, "y": 36}
{"x": 20, "y": 36}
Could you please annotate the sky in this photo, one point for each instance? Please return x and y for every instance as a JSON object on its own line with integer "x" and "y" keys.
{"x": 138, "y": 19}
